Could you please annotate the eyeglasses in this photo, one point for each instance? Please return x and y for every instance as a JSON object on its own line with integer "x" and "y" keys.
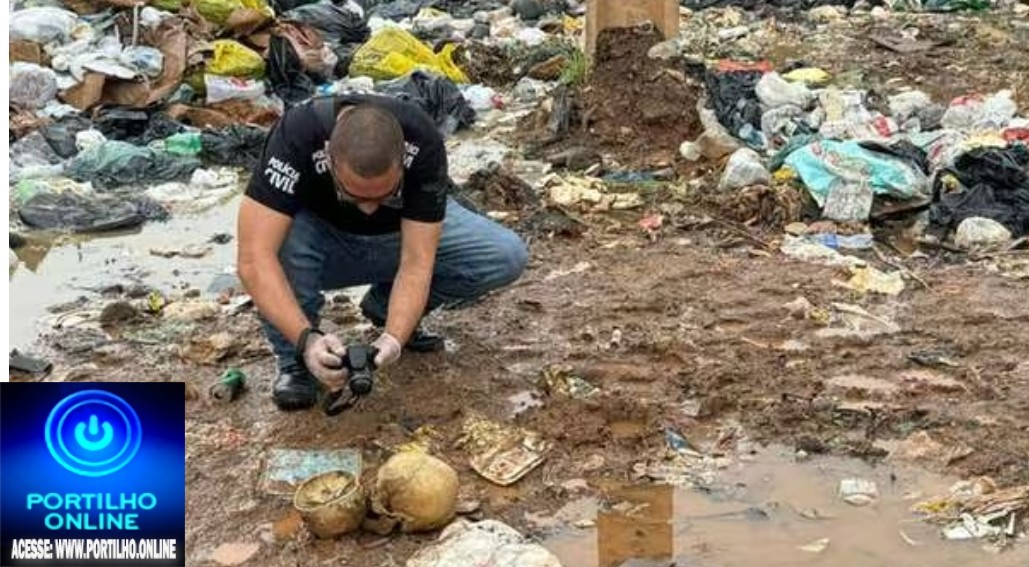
{"x": 393, "y": 200}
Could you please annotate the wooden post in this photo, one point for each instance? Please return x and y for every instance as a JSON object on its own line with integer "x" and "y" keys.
{"x": 603, "y": 14}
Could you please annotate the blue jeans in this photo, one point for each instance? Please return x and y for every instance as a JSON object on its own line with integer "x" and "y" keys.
{"x": 475, "y": 256}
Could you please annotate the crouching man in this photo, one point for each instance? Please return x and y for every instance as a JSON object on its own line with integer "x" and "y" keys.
{"x": 353, "y": 190}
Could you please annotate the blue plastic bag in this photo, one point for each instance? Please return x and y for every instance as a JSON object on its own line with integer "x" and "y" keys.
{"x": 827, "y": 164}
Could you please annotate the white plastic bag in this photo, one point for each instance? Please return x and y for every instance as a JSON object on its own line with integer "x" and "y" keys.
{"x": 479, "y": 97}
{"x": 743, "y": 170}
{"x": 31, "y": 86}
{"x": 488, "y": 542}
{"x": 774, "y": 91}
{"x": 228, "y": 88}
{"x": 42, "y": 25}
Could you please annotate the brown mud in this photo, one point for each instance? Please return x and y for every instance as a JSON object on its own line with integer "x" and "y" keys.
{"x": 652, "y": 325}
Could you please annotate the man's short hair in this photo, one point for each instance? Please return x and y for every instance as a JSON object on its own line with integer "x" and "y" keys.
{"x": 369, "y": 140}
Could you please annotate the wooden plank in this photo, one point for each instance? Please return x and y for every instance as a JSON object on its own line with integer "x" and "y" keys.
{"x": 603, "y": 14}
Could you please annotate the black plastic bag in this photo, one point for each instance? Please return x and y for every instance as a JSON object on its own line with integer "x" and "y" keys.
{"x": 237, "y": 145}
{"x": 733, "y": 98}
{"x": 122, "y": 124}
{"x": 283, "y": 6}
{"x": 61, "y": 134}
{"x": 337, "y": 24}
{"x": 116, "y": 163}
{"x": 286, "y": 73}
{"x": 902, "y": 149}
{"x": 995, "y": 185}
{"x": 394, "y": 9}
{"x": 94, "y": 213}
{"x": 437, "y": 96}
{"x": 160, "y": 127}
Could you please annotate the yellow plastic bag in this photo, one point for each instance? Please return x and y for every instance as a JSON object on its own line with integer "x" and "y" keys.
{"x": 233, "y": 59}
{"x": 393, "y": 53}
{"x": 218, "y": 11}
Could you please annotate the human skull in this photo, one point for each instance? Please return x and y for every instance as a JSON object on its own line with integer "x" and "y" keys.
{"x": 417, "y": 490}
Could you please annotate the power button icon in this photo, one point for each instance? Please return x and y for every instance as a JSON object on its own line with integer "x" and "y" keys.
{"x": 93, "y": 433}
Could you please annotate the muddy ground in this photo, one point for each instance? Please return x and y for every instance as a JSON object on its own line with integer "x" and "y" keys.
{"x": 697, "y": 322}
{"x": 691, "y": 316}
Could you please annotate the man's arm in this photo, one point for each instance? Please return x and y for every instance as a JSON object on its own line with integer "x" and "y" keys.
{"x": 261, "y": 232}
{"x": 418, "y": 244}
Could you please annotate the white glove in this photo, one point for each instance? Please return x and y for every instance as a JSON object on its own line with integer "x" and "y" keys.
{"x": 324, "y": 360}
{"x": 389, "y": 350}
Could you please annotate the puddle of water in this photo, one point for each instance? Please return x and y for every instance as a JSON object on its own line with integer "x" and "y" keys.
{"x": 767, "y": 511}
{"x": 52, "y": 275}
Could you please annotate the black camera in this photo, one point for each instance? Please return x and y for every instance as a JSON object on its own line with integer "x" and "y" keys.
{"x": 360, "y": 364}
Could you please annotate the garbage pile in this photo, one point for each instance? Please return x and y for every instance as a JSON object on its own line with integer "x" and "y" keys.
{"x": 966, "y": 160}
{"x": 121, "y": 110}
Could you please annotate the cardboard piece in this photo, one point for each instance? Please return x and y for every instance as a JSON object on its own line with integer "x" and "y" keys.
{"x": 26, "y": 51}
{"x": 604, "y": 14}
{"x": 86, "y": 94}
{"x": 171, "y": 39}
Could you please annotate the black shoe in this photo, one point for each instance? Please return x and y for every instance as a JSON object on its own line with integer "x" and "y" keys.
{"x": 424, "y": 341}
{"x": 295, "y": 389}
{"x": 420, "y": 341}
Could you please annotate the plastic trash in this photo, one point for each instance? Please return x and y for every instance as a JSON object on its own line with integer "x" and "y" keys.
{"x": 237, "y": 145}
{"x": 88, "y": 139}
{"x": 488, "y": 542}
{"x": 337, "y": 24}
{"x": 116, "y": 163}
{"x": 985, "y": 182}
{"x": 733, "y": 96}
{"x": 997, "y": 111}
{"x": 846, "y": 116}
{"x": 863, "y": 241}
{"x": 437, "y": 96}
{"x": 827, "y": 164}
{"x": 809, "y": 76}
{"x": 42, "y": 25}
{"x": 782, "y": 124}
{"x": 183, "y": 144}
{"x": 206, "y": 188}
{"x": 743, "y": 170}
{"x": 32, "y": 150}
{"x": 963, "y": 113}
{"x": 774, "y": 91}
{"x": 528, "y": 89}
{"x": 31, "y": 86}
{"x": 849, "y": 201}
{"x": 152, "y": 17}
{"x": 93, "y": 213}
{"x": 531, "y": 37}
{"x": 480, "y": 97}
{"x": 231, "y": 88}
{"x": 977, "y": 233}
{"x": 393, "y": 53}
{"x": 62, "y": 133}
{"x": 233, "y": 59}
{"x": 29, "y": 188}
{"x": 146, "y": 60}
{"x": 907, "y": 104}
{"x": 218, "y": 11}
{"x": 715, "y": 142}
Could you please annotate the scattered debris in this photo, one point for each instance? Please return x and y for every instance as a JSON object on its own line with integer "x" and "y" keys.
{"x": 858, "y": 492}
{"x": 502, "y": 454}
{"x": 286, "y": 469}
{"x": 230, "y": 386}
{"x": 488, "y": 542}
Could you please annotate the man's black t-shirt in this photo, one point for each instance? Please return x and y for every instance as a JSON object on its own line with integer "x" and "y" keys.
{"x": 294, "y": 170}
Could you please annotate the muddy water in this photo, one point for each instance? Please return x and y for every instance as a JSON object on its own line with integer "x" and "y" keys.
{"x": 56, "y": 270}
{"x": 762, "y": 514}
